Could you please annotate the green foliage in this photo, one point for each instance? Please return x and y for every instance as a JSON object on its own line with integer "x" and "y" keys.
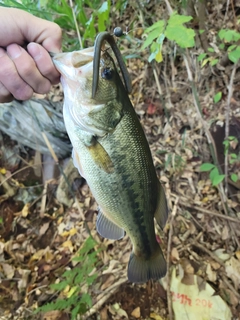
{"x": 217, "y": 97}
{"x": 234, "y": 177}
{"x": 177, "y": 32}
{"x": 229, "y": 42}
{"x": 92, "y": 17}
{"x": 214, "y": 175}
{"x": 76, "y": 301}
{"x": 173, "y": 30}
{"x": 231, "y": 37}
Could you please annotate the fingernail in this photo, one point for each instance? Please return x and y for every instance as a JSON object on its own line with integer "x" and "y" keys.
{"x": 14, "y": 51}
{"x": 34, "y": 50}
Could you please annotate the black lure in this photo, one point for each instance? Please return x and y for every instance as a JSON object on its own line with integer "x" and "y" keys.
{"x": 101, "y": 37}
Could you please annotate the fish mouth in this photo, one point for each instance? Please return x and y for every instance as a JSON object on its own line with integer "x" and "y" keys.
{"x": 68, "y": 63}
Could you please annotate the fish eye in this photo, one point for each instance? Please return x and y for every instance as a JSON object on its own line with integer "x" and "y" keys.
{"x": 107, "y": 73}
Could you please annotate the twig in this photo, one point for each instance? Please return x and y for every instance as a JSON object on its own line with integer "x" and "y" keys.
{"x": 107, "y": 294}
{"x": 212, "y": 213}
{"x": 211, "y": 143}
{"x": 234, "y": 15}
{"x": 174, "y": 211}
{"x": 212, "y": 255}
{"x": 76, "y": 25}
{"x": 225, "y": 280}
{"x": 230, "y": 92}
{"x": 226, "y": 12}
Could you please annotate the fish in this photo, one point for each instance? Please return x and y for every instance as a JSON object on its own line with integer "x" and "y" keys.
{"x": 111, "y": 152}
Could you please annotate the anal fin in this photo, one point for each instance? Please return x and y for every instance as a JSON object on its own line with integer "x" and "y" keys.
{"x": 108, "y": 229}
{"x": 161, "y": 212}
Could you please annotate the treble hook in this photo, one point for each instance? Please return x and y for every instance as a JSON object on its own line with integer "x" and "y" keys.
{"x": 106, "y": 36}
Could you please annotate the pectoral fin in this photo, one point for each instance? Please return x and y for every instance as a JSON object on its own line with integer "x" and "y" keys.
{"x": 77, "y": 163}
{"x": 100, "y": 156}
{"x": 161, "y": 213}
{"x": 107, "y": 229}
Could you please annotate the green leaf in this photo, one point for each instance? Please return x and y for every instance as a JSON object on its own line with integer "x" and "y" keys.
{"x": 213, "y": 62}
{"x": 159, "y": 25}
{"x": 229, "y": 35}
{"x": 176, "y": 19}
{"x": 234, "y": 55}
{"x": 215, "y": 177}
{"x": 201, "y": 56}
{"x": 234, "y": 177}
{"x": 153, "y": 34}
{"x": 231, "y": 48}
{"x": 233, "y": 155}
{"x": 175, "y": 31}
{"x": 210, "y": 49}
{"x": 217, "y": 97}
{"x": 218, "y": 179}
{"x": 232, "y": 138}
{"x": 221, "y": 46}
{"x": 206, "y": 167}
{"x": 103, "y": 16}
{"x": 201, "y": 31}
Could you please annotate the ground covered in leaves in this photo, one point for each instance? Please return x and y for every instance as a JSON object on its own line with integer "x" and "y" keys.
{"x": 44, "y": 224}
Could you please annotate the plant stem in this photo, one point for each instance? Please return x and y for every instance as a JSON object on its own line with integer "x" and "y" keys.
{"x": 230, "y": 91}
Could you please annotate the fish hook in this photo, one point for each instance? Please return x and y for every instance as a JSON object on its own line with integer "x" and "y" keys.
{"x": 101, "y": 37}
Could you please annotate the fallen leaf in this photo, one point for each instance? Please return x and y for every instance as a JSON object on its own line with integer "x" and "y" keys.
{"x": 25, "y": 211}
{"x": 23, "y": 282}
{"x": 68, "y": 244}
{"x": 174, "y": 255}
{"x": 136, "y": 313}
{"x": 44, "y": 228}
{"x": 225, "y": 233}
{"x": 8, "y": 270}
{"x": 221, "y": 254}
{"x": 155, "y": 316}
{"x": 212, "y": 276}
{"x": 233, "y": 271}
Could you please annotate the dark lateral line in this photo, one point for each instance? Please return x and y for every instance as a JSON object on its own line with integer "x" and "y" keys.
{"x": 106, "y": 36}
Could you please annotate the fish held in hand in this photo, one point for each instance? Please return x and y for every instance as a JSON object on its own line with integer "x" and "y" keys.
{"x": 111, "y": 152}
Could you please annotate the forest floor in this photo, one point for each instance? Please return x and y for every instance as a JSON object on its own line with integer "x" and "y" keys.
{"x": 42, "y": 227}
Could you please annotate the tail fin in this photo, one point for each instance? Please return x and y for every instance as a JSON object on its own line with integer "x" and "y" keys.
{"x": 141, "y": 270}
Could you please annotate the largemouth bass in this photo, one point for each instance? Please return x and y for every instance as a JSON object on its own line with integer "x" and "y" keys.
{"x": 111, "y": 152}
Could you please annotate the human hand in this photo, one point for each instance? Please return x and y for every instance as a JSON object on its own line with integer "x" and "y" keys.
{"x": 23, "y": 71}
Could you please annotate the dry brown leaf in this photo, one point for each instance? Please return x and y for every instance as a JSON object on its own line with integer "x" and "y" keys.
{"x": 212, "y": 276}
{"x": 55, "y": 315}
{"x": 233, "y": 271}
{"x": 174, "y": 255}
{"x": 44, "y": 228}
{"x": 25, "y": 211}
{"x": 8, "y": 270}
{"x": 136, "y": 313}
{"x": 23, "y": 282}
{"x": 225, "y": 232}
{"x": 155, "y": 316}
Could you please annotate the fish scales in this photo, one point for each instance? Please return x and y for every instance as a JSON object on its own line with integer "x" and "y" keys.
{"x": 111, "y": 151}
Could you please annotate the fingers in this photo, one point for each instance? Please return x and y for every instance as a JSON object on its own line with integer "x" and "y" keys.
{"x": 23, "y": 73}
{"x": 44, "y": 62}
{"x": 27, "y": 69}
{"x": 11, "y": 82}
{"x": 19, "y": 27}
